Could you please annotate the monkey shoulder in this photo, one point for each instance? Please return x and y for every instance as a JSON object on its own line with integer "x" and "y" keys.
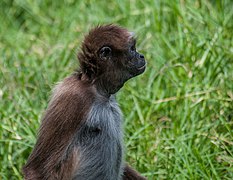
{"x": 72, "y": 86}
{"x": 70, "y": 103}
{"x": 74, "y": 92}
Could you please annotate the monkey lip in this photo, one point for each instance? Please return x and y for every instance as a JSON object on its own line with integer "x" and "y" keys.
{"x": 142, "y": 67}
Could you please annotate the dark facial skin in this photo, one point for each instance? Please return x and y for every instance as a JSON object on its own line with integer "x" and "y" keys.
{"x": 136, "y": 61}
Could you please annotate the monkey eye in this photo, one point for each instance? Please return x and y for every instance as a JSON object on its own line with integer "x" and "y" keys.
{"x": 105, "y": 53}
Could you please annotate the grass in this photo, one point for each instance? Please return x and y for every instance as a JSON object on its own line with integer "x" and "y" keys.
{"x": 178, "y": 114}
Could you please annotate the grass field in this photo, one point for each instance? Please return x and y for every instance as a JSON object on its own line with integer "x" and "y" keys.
{"x": 178, "y": 114}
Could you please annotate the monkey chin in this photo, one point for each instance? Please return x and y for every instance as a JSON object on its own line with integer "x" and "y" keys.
{"x": 142, "y": 68}
{"x": 139, "y": 70}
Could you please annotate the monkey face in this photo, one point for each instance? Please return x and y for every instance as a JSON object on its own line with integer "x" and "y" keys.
{"x": 127, "y": 60}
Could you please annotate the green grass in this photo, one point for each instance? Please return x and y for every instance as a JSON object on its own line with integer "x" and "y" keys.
{"x": 178, "y": 114}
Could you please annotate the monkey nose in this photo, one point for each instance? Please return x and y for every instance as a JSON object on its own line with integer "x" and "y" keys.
{"x": 141, "y": 56}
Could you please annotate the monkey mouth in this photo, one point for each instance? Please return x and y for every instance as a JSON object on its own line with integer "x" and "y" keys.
{"x": 142, "y": 67}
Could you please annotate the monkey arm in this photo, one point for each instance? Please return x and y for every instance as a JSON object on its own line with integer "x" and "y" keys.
{"x": 130, "y": 174}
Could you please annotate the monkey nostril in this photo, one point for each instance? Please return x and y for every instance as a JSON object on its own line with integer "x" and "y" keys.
{"x": 141, "y": 56}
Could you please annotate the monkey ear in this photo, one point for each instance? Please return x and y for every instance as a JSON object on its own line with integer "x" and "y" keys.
{"x": 105, "y": 53}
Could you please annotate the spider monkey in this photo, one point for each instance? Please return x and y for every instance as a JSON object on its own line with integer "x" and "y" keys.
{"x": 80, "y": 136}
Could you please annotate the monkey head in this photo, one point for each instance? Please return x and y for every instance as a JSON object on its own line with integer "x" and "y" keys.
{"x": 109, "y": 57}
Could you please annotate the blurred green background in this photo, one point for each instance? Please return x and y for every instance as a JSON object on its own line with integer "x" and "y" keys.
{"x": 178, "y": 114}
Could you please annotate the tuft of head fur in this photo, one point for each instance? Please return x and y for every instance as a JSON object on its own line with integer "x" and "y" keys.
{"x": 110, "y": 35}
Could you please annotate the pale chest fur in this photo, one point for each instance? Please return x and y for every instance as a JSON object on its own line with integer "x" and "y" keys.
{"x": 100, "y": 140}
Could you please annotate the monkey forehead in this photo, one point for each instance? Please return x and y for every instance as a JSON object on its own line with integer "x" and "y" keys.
{"x": 108, "y": 35}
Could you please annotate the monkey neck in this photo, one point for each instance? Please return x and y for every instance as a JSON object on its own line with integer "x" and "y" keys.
{"x": 107, "y": 86}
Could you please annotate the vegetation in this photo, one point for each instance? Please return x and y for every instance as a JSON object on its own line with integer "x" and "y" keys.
{"x": 178, "y": 114}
